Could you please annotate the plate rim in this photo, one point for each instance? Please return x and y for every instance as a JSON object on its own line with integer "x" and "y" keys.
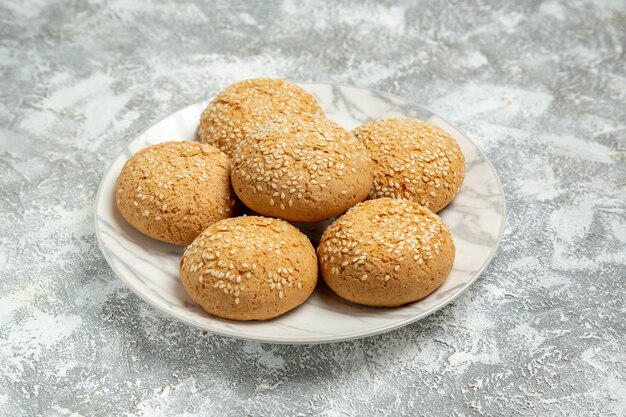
{"x": 322, "y": 339}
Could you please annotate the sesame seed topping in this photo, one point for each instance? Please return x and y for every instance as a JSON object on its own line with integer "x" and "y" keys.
{"x": 390, "y": 232}
{"x": 409, "y": 152}
{"x": 298, "y": 165}
{"x": 241, "y": 108}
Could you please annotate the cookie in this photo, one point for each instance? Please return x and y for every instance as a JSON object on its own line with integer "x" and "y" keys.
{"x": 174, "y": 190}
{"x": 249, "y": 268}
{"x": 386, "y": 252}
{"x": 413, "y": 160}
{"x": 239, "y": 109}
{"x": 301, "y": 168}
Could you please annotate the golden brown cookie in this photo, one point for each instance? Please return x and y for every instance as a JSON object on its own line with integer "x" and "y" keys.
{"x": 413, "y": 160}
{"x": 386, "y": 252}
{"x": 174, "y": 190}
{"x": 301, "y": 168}
{"x": 249, "y": 268}
{"x": 239, "y": 109}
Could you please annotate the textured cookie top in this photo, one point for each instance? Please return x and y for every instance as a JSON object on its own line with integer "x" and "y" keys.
{"x": 173, "y": 190}
{"x": 413, "y": 160}
{"x": 239, "y": 109}
{"x": 255, "y": 266}
{"x": 301, "y": 168}
{"x": 388, "y": 230}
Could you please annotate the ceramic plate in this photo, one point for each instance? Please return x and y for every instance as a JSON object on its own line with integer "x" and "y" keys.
{"x": 150, "y": 268}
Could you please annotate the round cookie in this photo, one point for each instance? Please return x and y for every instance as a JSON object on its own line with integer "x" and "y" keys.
{"x": 174, "y": 190}
{"x": 386, "y": 252}
{"x": 413, "y": 160}
{"x": 239, "y": 109}
{"x": 249, "y": 268}
{"x": 301, "y": 168}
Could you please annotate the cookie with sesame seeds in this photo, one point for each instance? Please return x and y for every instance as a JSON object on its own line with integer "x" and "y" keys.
{"x": 249, "y": 268}
{"x": 239, "y": 109}
{"x": 174, "y": 190}
{"x": 413, "y": 160}
{"x": 301, "y": 168}
{"x": 386, "y": 252}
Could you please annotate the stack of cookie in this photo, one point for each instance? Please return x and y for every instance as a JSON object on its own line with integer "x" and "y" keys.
{"x": 268, "y": 148}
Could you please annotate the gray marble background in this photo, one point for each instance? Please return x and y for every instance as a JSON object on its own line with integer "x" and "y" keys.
{"x": 540, "y": 85}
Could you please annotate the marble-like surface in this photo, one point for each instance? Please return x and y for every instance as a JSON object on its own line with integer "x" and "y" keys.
{"x": 540, "y": 85}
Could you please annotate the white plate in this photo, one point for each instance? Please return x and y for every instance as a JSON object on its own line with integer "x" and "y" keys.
{"x": 150, "y": 268}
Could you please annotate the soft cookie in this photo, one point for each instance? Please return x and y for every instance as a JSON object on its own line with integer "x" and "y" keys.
{"x": 249, "y": 268}
{"x": 174, "y": 190}
{"x": 239, "y": 109}
{"x": 386, "y": 252}
{"x": 301, "y": 168}
{"x": 413, "y": 160}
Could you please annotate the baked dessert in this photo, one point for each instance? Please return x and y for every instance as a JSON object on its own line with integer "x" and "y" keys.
{"x": 386, "y": 252}
{"x": 413, "y": 160}
{"x": 301, "y": 168}
{"x": 249, "y": 268}
{"x": 239, "y": 109}
{"x": 174, "y": 190}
